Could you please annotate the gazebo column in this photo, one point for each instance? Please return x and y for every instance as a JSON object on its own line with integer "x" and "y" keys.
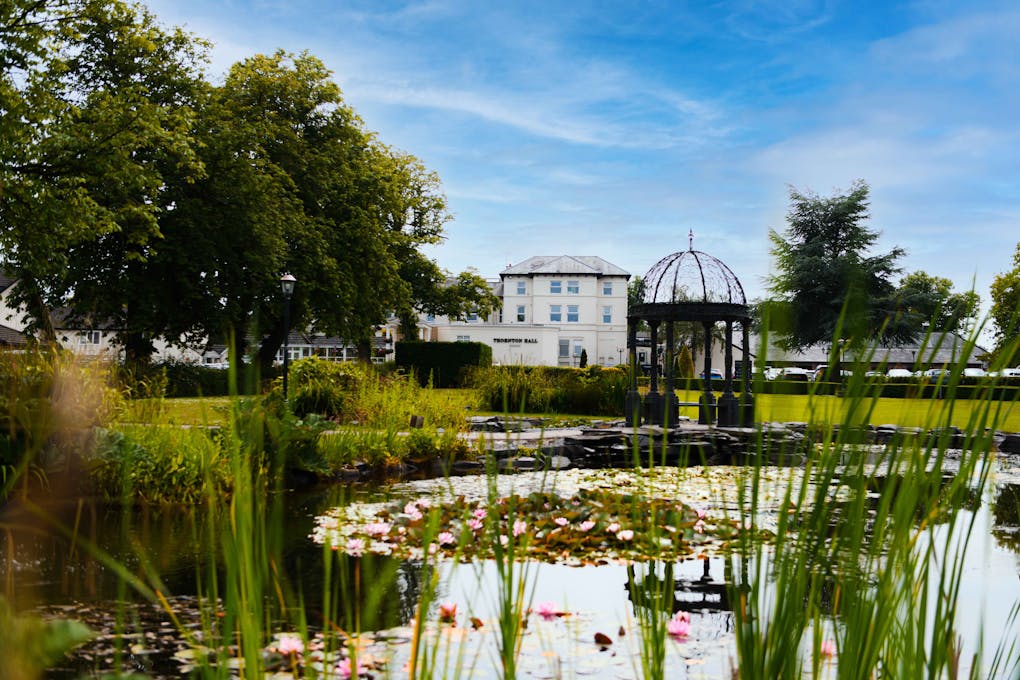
{"x": 672, "y": 404}
{"x": 746, "y": 399}
{"x": 632, "y": 402}
{"x": 729, "y": 407}
{"x": 653, "y": 400}
{"x": 706, "y": 411}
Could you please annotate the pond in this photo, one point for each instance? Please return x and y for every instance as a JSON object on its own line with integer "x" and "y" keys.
{"x": 587, "y": 606}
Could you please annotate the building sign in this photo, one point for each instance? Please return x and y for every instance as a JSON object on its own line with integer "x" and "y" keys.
{"x": 517, "y": 341}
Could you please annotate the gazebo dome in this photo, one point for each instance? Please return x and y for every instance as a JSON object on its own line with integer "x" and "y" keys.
{"x": 692, "y": 276}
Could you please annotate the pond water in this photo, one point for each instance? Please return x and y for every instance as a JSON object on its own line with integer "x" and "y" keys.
{"x": 41, "y": 571}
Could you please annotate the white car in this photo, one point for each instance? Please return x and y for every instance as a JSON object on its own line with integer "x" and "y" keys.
{"x": 974, "y": 372}
{"x": 899, "y": 373}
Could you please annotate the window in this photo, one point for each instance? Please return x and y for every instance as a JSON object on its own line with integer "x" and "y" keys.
{"x": 555, "y": 287}
{"x": 522, "y": 288}
{"x": 430, "y": 318}
{"x": 463, "y": 338}
{"x": 520, "y": 314}
{"x": 555, "y": 313}
{"x": 90, "y": 337}
{"x": 607, "y": 314}
{"x": 572, "y": 313}
{"x": 607, "y": 287}
{"x": 564, "y": 348}
{"x": 577, "y": 348}
{"x": 471, "y": 317}
{"x": 573, "y": 287}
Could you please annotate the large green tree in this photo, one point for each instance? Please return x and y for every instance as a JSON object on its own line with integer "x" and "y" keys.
{"x": 1005, "y": 310}
{"x": 922, "y": 298}
{"x": 294, "y": 182}
{"x": 99, "y": 108}
{"x": 828, "y": 283}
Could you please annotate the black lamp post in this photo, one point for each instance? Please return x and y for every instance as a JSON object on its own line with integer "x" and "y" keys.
{"x": 287, "y": 283}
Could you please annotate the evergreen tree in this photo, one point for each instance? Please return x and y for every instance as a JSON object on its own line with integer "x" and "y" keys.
{"x": 827, "y": 283}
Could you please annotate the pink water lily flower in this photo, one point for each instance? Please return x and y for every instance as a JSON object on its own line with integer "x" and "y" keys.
{"x": 377, "y": 528}
{"x": 613, "y": 528}
{"x": 547, "y": 610}
{"x": 678, "y": 628}
{"x": 586, "y": 525}
{"x": 827, "y": 648}
{"x": 446, "y": 538}
{"x": 290, "y": 644}
{"x": 475, "y": 524}
{"x": 356, "y": 546}
{"x": 480, "y": 513}
{"x": 625, "y": 534}
{"x": 345, "y": 670}
{"x": 699, "y": 526}
{"x": 447, "y": 612}
{"x": 562, "y": 521}
{"x": 520, "y": 526}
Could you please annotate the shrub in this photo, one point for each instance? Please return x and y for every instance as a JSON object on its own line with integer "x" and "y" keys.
{"x": 48, "y": 403}
{"x": 585, "y": 391}
{"x": 159, "y": 464}
{"x": 328, "y": 388}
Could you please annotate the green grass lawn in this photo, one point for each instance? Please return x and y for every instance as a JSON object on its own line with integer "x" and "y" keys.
{"x": 770, "y": 407}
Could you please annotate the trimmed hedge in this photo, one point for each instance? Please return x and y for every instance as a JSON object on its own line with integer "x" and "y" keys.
{"x": 444, "y": 364}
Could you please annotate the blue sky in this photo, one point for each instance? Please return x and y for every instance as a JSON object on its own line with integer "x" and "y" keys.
{"x": 612, "y": 128}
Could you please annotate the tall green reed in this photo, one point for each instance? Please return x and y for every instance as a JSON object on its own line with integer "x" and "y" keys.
{"x": 867, "y": 543}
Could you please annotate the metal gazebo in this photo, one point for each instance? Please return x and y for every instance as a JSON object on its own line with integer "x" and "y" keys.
{"x": 690, "y": 286}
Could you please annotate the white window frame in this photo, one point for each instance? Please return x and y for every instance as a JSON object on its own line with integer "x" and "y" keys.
{"x": 555, "y": 287}
{"x": 578, "y": 347}
{"x": 564, "y": 352}
{"x": 522, "y": 288}
{"x": 573, "y": 314}
{"x": 90, "y": 338}
{"x": 521, "y": 314}
{"x": 463, "y": 338}
{"x": 555, "y": 313}
{"x": 607, "y": 314}
{"x": 573, "y": 287}
{"x": 607, "y": 287}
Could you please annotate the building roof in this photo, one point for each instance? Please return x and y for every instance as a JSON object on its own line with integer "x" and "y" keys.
{"x": 938, "y": 349}
{"x": 6, "y": 281}
{"x": 564, "y": 264}
{"x": 12, "y": 338}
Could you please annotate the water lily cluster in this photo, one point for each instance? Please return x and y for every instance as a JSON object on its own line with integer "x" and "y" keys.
{"x": 289, "y": 653}
{"x": 586, "y": 527}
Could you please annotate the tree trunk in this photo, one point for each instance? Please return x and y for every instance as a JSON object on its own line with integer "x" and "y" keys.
{"x": 138, "y": 349}
{"x": 38, "y": 310}
{"x": 268, "y": 348}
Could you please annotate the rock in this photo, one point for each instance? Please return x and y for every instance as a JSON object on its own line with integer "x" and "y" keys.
{"x": 1010, "y": 443}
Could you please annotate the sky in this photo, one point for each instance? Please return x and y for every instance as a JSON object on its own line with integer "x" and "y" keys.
{"x": 615, "y": 128}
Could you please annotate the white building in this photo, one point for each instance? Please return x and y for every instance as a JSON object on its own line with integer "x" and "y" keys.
{"x": 553, "y": 309}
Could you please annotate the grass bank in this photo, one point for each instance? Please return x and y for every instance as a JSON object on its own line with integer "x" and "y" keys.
{"x": 771, "y": 407}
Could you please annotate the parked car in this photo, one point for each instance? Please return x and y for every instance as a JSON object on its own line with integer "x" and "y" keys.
{"x": 716, "y": 374}
{"x": 771, "y": 373}
{"x": 795, "y": 373}
{"x": 974, "y": 372}
{"x": 899, "y": 373}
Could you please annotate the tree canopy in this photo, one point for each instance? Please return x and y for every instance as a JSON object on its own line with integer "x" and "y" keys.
{"x": 827, "y": 283}
{"x": 925, "y": 299}
{"x": 137, "y": 194}
{"x": 1005, "y": 310}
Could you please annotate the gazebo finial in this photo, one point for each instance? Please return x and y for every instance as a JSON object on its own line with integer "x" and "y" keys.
{"x": 690, "y": 240}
